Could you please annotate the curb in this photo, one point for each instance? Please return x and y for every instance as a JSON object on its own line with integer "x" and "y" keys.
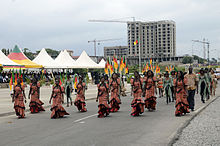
{"x": 27, "y": 110}
{"x": 187, "y": 122}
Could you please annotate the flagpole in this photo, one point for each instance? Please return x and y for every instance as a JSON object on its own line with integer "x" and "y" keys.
{"x": 139, "y": 46}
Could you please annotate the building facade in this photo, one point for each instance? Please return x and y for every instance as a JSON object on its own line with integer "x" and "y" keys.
{"x": 118, "y": 51}
{"x": 156, "y": 39}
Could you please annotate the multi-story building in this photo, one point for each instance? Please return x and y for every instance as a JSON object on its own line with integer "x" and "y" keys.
{"x": 118, "y": 51}
{"x": 157, "y": 40}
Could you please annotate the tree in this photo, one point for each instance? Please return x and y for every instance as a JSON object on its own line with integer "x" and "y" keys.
{"x": 28, "y": 53}
{"x": 4, "y": 51}
{"x": 200, "y": 60}
{"x": 187, "y": 59}
{"x": 214, "y": 60}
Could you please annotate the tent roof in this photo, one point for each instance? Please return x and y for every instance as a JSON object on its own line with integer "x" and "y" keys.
{"x": 84, "y": 61}
{"x": 64, "y": 60}
{"x": 5, "y": 61}
{"x": 18, "y": 57}
{"x": 102, "y": 63}
{"x": 44, "y": 59}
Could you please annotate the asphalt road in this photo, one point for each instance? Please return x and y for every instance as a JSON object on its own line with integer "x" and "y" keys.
{"x": 85, "y": 129}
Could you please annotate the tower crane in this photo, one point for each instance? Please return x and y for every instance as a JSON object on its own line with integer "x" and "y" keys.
{"x": 120, "y": 21}
{"x": 96, "y": 41}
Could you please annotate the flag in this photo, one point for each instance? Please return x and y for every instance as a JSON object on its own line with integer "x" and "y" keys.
{"x": 136, "y": 42}
{"x": 111, "y": 69}
{"x": 106, "y": 69}
{"x": 122, "y": 65}
{"x": 11, "y": 83}
{"x": 20, "y": 72}
{"x": 16, "y": 78}
{"x": 175, "y": 69}
{"x": 167, "y": 69}
{"x": 21, "y": 78}
{"x": 151, "y": 61}
{"x": 61, "y": 80}
{"x": 115, "y": 63}
{"x": 146, "y": 67}
{"x": 126, "y": 69}
{"x": 75, "y": 81}
{"x": 157, "y": 69}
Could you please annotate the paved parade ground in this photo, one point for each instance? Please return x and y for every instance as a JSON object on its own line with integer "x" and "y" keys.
{"x": 85, "y": 129}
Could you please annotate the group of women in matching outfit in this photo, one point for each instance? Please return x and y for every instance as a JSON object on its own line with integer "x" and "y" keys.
{"x": 143, "y": 91}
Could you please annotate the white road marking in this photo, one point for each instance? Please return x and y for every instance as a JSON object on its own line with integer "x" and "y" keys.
{"x": 82, "y": 122}
{"x": 85, "y": 118}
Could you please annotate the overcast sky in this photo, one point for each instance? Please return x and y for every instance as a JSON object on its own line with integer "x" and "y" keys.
{"x": 63, "y": 24}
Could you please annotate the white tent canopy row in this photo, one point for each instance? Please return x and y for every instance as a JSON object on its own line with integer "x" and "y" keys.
{"x": 5, "y": 61}
{"x": 44, "y": 59}
{"x": 64, "y": 60}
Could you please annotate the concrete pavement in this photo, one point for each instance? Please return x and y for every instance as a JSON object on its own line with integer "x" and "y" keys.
{"x": 204, "y": 129}
{"x": 152, "y": 128}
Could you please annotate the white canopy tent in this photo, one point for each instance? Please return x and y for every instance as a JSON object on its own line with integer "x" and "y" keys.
{"x": 5, "y": 61}
{"x": 64, "y": 60}
{"x": 44, "y": 59}
{"x": 102, "y": 63}
{"x": 84, "y": 61}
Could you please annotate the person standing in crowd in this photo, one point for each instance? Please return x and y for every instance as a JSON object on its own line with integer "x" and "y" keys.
{"x": 80, "y": 97}
{"x": 114, "y": 87}
{"x": 34, "y": 94}
{"x": 173, "y": 77}
{"x": 203, "y": 84}
{"x": 213, "y": 82}
{"x": 208, "y": 76}
{"x": 137, "y": 103}
{"x": 19, "y": 98}
{"x": 57, "y": 95}
{"x": 192, "y": 86}
{"x": 123, "y": 89}
{"x": 182, "y": 106}
{"x": 150, "y": 89}
{"x": 68, "y": 85}
{"x": 160, "y": 85}
{"x": 103, "y": 98}
{"x": 167, "y": 85}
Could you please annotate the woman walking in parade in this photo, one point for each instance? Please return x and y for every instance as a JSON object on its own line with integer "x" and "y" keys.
{"x": 68, "y": 90}
{"x": 137, "y": 103}
{"x": 213, "y": 82}
{"x": 19, "y": 98}
{"x": 57, "y": 95}
{"x": 114, "y": 87}
{"x": 149, "y": 90}
{"x": 34, "y": 94}
{"x": 203, "y": 85}
{"x": 103, "y": 98}
{"x": 182, "y": 106}
{"x": 160, "y": 85}
{"x": 208, "y": 89}
{"x": 173, "y": 77}
{"x": 80, "y": 97}
{"x": 167, "y": 84}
